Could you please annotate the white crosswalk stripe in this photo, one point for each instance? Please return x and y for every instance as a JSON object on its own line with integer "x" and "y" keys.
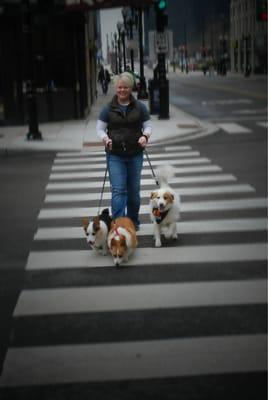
{"x": 222, "y": 225}
{"x": 211, "y": 267}
{"x": 134, "y": 360}
{"x": 233, "y": 128}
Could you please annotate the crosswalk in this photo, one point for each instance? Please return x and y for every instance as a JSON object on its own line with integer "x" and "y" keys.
{"x": 233, "y": 128}
{"x": 176, "y": 312}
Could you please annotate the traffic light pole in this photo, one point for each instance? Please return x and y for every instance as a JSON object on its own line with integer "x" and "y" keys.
{"x": 142, "y": 93}
{"x": 34, "y": 133}
{"x": 163, "y": 84}
{"x": 163, "y": 88}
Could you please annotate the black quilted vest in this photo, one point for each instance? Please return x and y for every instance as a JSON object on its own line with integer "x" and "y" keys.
{"x": 125, "y": 128}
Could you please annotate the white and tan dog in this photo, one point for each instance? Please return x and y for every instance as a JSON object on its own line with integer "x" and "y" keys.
{"x": 164, "y": 206}
{"x": 97, "y": 231}
{"x": 122, "y": 239}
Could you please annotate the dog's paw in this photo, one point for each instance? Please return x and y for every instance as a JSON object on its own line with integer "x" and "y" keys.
{"x": 158, "y": 243}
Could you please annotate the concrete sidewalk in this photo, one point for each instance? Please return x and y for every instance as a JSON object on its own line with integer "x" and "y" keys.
{"x": 77, "y": 135}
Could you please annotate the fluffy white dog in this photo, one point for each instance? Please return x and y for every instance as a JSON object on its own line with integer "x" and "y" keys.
{"x": 164, "y": 206}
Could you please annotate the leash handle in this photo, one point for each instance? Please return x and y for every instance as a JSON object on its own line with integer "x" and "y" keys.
{"x": 149, "y": 162}
{"x": 102, "y": 190}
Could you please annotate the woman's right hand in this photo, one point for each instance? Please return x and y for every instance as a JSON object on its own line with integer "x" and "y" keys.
{"x": 108, "y": 143}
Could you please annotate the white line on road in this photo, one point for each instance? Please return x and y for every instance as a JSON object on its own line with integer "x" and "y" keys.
{"x": 233, "y": 128}
{"x": 54, "y": 259}
{"x": 196, "y": 206}
{"x": 90, "y": 159}
{"x": 44, "y": 365}
{"x": 145, "y": 171}
{"x": 186, "y": 161}
{"x": 263, "y": 124}
{"x": 144, "y": 182}
{"x": 101, "y": 153}
{"x": 192, "y": 191}
{"x": 190, "y": 227}
{"x": 139, "y": 297}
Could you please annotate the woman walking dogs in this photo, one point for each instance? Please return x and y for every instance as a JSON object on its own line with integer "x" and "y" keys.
{"x": 124, "y": 126}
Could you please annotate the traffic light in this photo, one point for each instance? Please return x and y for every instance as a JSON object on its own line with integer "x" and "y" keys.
{"x": 161, "y": 5}
{"x": 161, "y": 17}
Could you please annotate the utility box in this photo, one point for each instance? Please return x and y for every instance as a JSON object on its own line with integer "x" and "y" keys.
{"x": 154, "y": 98}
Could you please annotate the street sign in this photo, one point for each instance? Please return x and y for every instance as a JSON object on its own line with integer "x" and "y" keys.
{"x": 161, "y": 42}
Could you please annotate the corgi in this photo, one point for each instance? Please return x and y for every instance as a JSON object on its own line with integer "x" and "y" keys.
{"x": 97, "y": 231}
{"x": 122, "y": 239}
{"x": 164, "y": 206}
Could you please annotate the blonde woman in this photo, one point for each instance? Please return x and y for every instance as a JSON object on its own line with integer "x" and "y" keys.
{"x": 124, "y": 127}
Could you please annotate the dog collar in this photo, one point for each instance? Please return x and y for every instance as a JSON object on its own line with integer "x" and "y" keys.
{"x": 116, "y": 234}
{"x": 159, "y": 215}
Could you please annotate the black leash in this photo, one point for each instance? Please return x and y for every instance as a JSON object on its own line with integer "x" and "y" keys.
{"x": 102, "y": 190}
{"x": 147, "y": 155}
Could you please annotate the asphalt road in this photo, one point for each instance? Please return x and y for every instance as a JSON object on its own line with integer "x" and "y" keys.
{"x": 218, "y": 309}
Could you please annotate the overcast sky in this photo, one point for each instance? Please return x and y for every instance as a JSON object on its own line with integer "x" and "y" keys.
{"x": 109, "y": 19}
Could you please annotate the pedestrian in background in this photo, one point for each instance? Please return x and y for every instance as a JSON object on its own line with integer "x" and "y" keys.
{"x": 124, "y": 126}
{"x": 104, "y": 79}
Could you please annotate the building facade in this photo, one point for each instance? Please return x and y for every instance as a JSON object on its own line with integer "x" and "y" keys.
{"x": 49, "y": 53}
{"x": 248, "y": 36}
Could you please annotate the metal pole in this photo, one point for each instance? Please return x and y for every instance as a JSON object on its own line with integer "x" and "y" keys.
{"x": 124, "y": 49}
{"x": 142, "y": 93}
{"x": 34, "y": 133}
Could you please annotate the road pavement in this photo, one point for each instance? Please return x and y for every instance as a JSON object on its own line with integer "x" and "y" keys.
{"x": 185, "y": 321}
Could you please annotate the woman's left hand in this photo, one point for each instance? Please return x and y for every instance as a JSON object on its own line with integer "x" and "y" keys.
{"x": 142, "y": 141}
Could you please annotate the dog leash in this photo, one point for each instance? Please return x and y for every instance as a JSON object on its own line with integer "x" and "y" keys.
{"x": 149, "y": 162}
{"x": 102, "y": 190}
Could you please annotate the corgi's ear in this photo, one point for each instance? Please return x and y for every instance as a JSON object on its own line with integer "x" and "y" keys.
{"x": 85, "y": 223}
{"x": 153, "y": 195}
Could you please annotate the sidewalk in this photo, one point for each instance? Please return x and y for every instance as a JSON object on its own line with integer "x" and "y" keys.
{"x": 78, "y": 135}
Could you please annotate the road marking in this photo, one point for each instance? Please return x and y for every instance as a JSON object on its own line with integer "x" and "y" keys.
{"x": 145, "y": 171}
{"x": 226, "y": 102}
{"x": 139, "y": 297}
{"x": 192, "y": 191}
{"x": 233, "y": 128}
{"x": 74, "y": 363}
{"x": 102, "y": 158}
{"x": 192, "y": 227}
{"x": 197, "y": 206}
{"x": 263, "y": 124}
{"x": 102, "y": 165}
{"x": 68, "y": 154}
{"x": 181, "y": 180}
{"x": 250, "y": 111}
{"x": 50, "y": 260}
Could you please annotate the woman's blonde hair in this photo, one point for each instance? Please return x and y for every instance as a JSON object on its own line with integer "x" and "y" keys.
{"x": 126, "y": 77}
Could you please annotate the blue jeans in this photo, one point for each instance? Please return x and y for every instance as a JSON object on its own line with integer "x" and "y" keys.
{"x": 125, "y": 176}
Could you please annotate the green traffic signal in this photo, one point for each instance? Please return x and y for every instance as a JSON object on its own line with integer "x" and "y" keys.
{"x": 162, "y": 4}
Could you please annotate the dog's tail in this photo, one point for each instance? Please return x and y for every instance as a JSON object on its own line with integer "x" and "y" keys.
{"x": 164, "y": 174}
